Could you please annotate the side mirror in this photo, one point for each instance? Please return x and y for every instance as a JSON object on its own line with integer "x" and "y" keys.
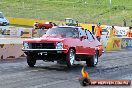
{"x": 83, "y": 37}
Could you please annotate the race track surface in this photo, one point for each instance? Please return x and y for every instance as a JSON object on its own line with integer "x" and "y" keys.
{"x": 17, "y": 74}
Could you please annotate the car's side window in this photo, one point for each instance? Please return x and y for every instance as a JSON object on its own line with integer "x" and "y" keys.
{"x": 76, "y": 33}
{"x": 89, "y": 35}
{"x": 82, "y": 32}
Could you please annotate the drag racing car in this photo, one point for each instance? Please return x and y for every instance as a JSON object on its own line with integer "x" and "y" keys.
{"x": 46, "y": 25}
{"x": 65, "y": 44}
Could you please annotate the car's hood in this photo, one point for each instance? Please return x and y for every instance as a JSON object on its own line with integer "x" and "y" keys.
{"x": 48, "y": 38}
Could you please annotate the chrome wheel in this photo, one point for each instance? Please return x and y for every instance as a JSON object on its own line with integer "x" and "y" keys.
{"x": 72, "y": 57}
{"x": 95, "y": 59}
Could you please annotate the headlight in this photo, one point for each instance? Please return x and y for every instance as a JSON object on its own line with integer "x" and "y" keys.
{"x": 26, "y": 45}
{"x": 59, "y": 45}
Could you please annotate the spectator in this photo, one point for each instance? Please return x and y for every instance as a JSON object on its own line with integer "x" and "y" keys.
{"x": 112, "y": 31}
{"x": 129, "y": 33}
{"x": 35, "y": 25}
{"x": 124, "y": 22}
{"x": 98, "y": 31}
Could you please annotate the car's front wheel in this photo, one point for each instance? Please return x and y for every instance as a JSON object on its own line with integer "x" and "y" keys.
{"x": 93, "y": 60}
{"x": 31, "y": 60}
{"x": 70, "y": 57}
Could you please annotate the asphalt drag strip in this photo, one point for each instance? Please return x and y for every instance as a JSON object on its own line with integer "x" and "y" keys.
{"x": 17, "y": 74}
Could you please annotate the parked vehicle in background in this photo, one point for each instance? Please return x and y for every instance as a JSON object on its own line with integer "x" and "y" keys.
{"x": 3, "y": 20}
{"x": 46, "y": 25}
{"x": 65, "y": 45}
{"x": 71, "y": 22}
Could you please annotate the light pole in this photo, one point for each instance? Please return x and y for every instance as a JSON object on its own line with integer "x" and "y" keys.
{"x": 110, "y": 2}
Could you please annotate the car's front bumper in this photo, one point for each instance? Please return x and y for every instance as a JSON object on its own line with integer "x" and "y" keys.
{"x": 46, "y": 54}
{"x": 41, "y": 50}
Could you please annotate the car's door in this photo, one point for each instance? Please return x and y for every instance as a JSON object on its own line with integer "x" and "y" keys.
{"x": 81, "y": 48}
{"x": 90, "y": 43}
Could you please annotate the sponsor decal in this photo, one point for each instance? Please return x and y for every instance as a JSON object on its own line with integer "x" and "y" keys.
{"x": 116, "y": 43}
{"x": 26, "y": 33}
{"x": 86, "y": 81}
{"x": 126, "y": 43}
{"x": 121, "y": 31}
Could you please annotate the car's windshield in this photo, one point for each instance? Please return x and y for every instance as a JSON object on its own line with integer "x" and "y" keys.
{"x": 1, "y": 15}
{"x": 68, "y": 32}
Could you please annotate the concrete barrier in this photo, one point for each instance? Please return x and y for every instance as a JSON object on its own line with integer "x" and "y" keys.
{"x": 113, "y": 43}
{"x": 10, "y": 48}
{"x": 15, "y": 32}
{"x": 10, "y": 51}
{"x": 26, "y": 33}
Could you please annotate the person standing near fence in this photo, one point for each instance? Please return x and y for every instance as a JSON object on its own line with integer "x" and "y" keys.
{"x": 129, "y": 33}
{"x": 112, "y": 32}
{"x": 98, "y": 31}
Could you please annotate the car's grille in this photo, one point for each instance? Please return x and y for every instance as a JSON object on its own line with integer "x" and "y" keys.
{"x": 42, "y": 45}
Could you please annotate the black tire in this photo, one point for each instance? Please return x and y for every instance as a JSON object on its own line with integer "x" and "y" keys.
{"x": 31, "y": 61}
{"x": 70, "y": 57}
{"x": 92, "y": 61}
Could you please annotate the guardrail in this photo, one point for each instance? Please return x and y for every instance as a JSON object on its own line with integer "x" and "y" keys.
{"x": 115, "y": 43}
{"x": 18, "y": 32}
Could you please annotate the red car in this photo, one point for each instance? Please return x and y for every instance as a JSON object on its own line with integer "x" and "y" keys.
{"x": 64, "y": 45}
{"x": 43, "y": 25}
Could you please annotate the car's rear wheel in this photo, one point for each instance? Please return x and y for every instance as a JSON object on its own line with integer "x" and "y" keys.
{"x": 70, "y": 57}
{"x": 31, "y": 60}
{"x": 93, "y": 60}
